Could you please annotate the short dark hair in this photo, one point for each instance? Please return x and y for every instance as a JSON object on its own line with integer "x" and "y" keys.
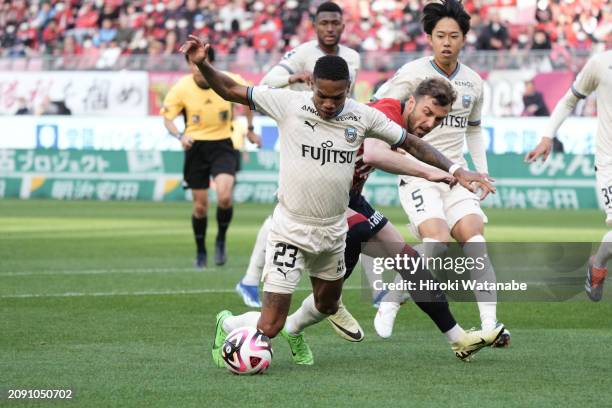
{"x": 439, "y": 89}
{"x": 211, "y": 55}
{"x": 331, "y": 67}
{"x": 329, "y": 6}
{"x": 436, "y": 11}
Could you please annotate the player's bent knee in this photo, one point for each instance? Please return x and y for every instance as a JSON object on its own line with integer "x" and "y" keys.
{"x": 326, "y": 307}
{"x": 468, "y": 228}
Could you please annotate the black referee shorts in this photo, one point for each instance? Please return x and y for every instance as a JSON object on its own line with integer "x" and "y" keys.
{"x": 206, "y": 159}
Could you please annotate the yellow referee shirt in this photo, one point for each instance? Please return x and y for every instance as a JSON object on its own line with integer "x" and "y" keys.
{"x": 207, "y": 115}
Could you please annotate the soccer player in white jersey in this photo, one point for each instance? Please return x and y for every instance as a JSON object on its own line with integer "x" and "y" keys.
{"x": 436, "y": 211}
{"x": 295, "y": 69}
{"x": 596, "y": 76}
{"x": 422, "y": 112}
{"x": 320, "y": 133}
{"x": 294, "y": 72}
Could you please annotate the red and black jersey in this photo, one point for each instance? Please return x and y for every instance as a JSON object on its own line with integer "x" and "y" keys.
{"x": 394, "y": 109}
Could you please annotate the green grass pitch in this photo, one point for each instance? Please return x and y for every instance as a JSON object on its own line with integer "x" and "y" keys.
{"x": 101, "y": 298}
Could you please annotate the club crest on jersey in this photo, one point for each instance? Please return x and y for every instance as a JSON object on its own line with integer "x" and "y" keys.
{"x": 466, "y": 101}
{"x": 195, "y": 119}
{"x": 350, "y": 134}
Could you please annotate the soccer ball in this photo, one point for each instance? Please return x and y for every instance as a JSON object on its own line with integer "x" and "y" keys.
{"x": 246, "y": 350}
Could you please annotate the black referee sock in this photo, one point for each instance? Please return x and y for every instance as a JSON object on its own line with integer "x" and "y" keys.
{"x": 199, "y": 232}
{"x": 224, "y": 217}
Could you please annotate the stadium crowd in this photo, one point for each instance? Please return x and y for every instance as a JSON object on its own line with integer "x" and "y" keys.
{"x": 102, "y": 30}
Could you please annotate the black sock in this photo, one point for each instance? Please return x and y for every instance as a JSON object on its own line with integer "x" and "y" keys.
{"x": 199, "y": 232}
{"x": 224, "y": 217}
{"x": 439, "y": 312}
{"x": 358, "y": 232}
{"x": 432, "y": 302}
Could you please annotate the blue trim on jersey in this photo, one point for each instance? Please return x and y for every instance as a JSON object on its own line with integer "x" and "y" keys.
{"x": 474, "y": 123}
{"x": 402, "y": 139}
{"x": 451, "y": 76}
{"x": 250, "y": 98}
{"x": 577, "y": 94}
{"x": 289, "y": 70}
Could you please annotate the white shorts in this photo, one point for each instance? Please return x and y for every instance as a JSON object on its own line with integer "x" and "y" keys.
{"x": 604, "y": 191}
{"x": 295, "y": 245}
{"x": 423, "y": 200}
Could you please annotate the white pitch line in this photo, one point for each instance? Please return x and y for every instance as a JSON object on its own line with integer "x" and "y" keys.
{"x": 137, "y": 293}
{"x": 153, "y": 270}
{"x": 103, "y": 271}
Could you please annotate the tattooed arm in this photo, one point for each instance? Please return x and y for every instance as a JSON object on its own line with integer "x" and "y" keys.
{"x": 426, "y": 153}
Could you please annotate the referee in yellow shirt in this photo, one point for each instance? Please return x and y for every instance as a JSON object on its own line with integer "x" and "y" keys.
{"x": 209, "y": 152}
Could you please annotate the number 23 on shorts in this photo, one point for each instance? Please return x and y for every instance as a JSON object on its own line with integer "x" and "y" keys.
{"x": 284, "y": 255}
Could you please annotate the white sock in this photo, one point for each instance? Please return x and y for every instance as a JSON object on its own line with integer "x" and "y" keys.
{"x": 431, "y": 248}
{"x": 396, "y": 296}
{"x": 475, "y": 247}
{"x": 455, "y": 334}
{"x": 248, "y": 319}
{"x": 305, "y": 316}
{"x": 367, "y": 261}
{"x": 258, "y": 256}
{"x": 488, "y": 315}
{"x": 604, "y": 252}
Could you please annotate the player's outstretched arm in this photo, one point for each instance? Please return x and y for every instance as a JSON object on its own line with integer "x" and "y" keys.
{"x": 279, "y": 77}
{"x": 586, "y": 82}
{"x": 223, "y": 85}
{"x": 378, "y": 154}
{"x": 562, "y": 110}
{"x": 425, "y": 152}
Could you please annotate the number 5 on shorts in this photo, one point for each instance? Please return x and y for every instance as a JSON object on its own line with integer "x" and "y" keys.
{"x": 417, "y": 197}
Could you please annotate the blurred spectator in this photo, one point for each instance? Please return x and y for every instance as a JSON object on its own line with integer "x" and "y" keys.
{"x": 106, "y": 34}
{"x": 44, "y": 15}
{"x": 22, "y": 107}
{"x": 494, "y": 36}
{"x": 533, "y": 101}
{"x": 541, "y": 40}
{"x": 274, "y": 26}
{"x": 125, "y": 32}
{"x": 171, "y": 43}
{"x": 49, "y": 107}
{"x": 108, "y": 55}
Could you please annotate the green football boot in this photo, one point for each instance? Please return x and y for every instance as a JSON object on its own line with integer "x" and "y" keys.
{"x": 220, "y": 336}
{"x": 300, "y": 351}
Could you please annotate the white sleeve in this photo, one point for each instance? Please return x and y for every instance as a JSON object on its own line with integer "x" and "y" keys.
{"x": 270, "y": 101}
{"x": 383, "y": 128}
{"x": 277, "y": 77}
{"x": 399, "y": 86}
{"x": 475, "y": 114}
{"x": 292, "y": 63}
{"x": 562, "y": 110}
{"x": 357, "y": 64}
{"x": 587, "y": 80}
{"x": 476, "y": 146}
